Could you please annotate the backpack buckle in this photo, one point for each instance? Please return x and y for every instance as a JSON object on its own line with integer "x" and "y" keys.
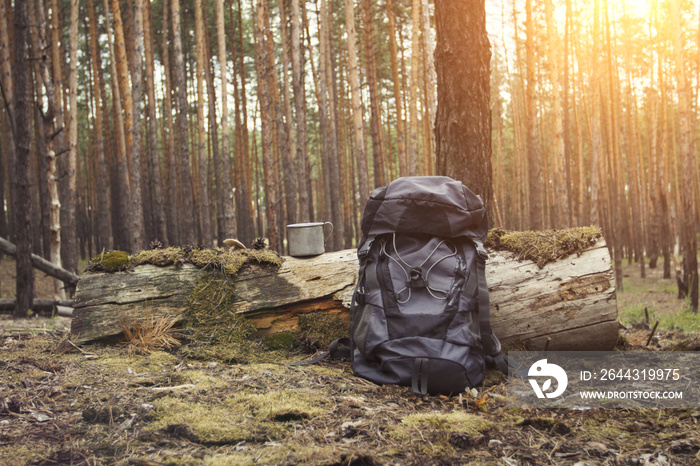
{"x": 416, "y": 279}
{"x": 481, "y": 250}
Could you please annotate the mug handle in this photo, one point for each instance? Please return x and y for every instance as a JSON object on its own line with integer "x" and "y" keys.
{"x": 330, "y": 232}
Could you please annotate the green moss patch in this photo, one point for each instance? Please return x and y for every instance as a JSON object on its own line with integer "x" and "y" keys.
{"x": 207, "y": 423}
{"x": 444, "y": 431}
{"x": 113, "y": 261}
{"x": 317, "y": 330}
{"x": 543, "y": 247}
{"x": 245, "y": 417}
{"x": 282, "y": 405}
{"x": 229, "y": 261}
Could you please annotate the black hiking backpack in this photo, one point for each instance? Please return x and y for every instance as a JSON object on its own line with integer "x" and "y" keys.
{"x": 420, "y": 311}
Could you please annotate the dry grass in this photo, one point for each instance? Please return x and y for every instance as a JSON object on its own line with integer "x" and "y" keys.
{"x": 150, "y": 333}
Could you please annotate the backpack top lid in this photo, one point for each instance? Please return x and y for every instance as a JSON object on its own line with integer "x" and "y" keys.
{"x": 431, "y": 205}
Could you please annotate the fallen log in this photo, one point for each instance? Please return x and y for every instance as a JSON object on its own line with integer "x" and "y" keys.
{"x": 60, "y": 307}
{"x": 568, "y": 304}
{"x": 66, "y": 276}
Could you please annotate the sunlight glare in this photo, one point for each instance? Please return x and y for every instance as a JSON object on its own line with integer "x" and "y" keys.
{"x": 638, "y": 8}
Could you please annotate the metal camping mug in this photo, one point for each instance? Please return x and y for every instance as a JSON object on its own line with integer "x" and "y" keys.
{"x": 307, "y": 239}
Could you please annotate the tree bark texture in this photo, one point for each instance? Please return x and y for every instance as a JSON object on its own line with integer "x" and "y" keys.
{"x": 567, "y": 305}
{"x": 224, "y": 199}
{"x": 356, "y": 99}
{"x": 20, "y": 182}
{"x": 156, "y": 184}
{"x": 103, "y": 223}
{"x": 204, "y": 207}
{"x": 463, "y": 120}
{"x": 187, "y": 227}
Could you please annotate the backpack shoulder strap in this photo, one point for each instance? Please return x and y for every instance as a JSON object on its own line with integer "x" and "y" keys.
{"x": 492, "y": 347}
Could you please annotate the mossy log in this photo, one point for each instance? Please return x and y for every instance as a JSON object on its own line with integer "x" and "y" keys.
{"x": 568, "y": 304}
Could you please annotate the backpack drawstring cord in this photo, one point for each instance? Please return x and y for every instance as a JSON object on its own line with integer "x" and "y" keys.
{"x": 430, "y": 289}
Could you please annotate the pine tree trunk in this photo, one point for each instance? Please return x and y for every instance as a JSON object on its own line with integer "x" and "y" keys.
{"x": 356, "y": 106}
{"x": 561, "y": 202}
{"x": 595, "y": 123}
{"x": 245, "y": 210}
{"x": 371, "y": 73}
{"x": 567, "y": 119}
{"x": 136, "y": 211}
{"x": 187, "y": 235}
{"x": 687, "y": 227}
{"x": 331, "y": 170}
{"x": 8, "y": 146}
{"x": 156, "y": 184}
{"x": 400, "y": 134}
{"x": 224, "y": 199}
{"x": 212, "y": 140}
{"x": 266, "y": 112}
{"x": 291, "y": 181}
{"x": 280, "y": 130}
{"x": 535, "y": 179}
{"x": 429, "y": 88}
{"x": 170, "y": 158}
{"x": 204, "y": 208}
{"x": 120, "y": 171}
{"x": 302, "y": 155}
{"x": 463, "y": 121}
{"x": 20, "y": 180}
{"x": 413, "y": 89}
{"x": 103, "y": 222}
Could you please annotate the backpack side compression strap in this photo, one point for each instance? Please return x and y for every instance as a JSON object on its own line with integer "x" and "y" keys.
{"x": 419, "y": 379}
{"x": 492, "y": 347}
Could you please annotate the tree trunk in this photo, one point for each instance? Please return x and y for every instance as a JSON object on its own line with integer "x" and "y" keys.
{"x": 463, "y": 122}
{"x": 428, "y": 47}
{"x": 204, "y": 207}
{"x": 378, "y": 155}
{"x": 261, "y": 64}
{"x": 126, "y": 101}
{"x": 103, "y": 223}
{"x": 291, "y": 181}
{"x": 534, "y": 178}
{"x": 187, "y": 235}
{"x": 356, "y": 107}
{"x": 69, "y": 232}
{"x": 561, "y": 203}
{"x": 20, "y": 182}
{"x": 156, "y": 184}
{"x": 302, "y": 154}
{"x": 6, "y": 133}
{"x": 224, "y": 199}
{"x": 170, "y": 157}
{"x": 687, "y": 226}
{"x": 570, "y": 303}
{"x": 44, "y": 84}
{"x": 595, "y": 124}
{"x": 400, "y": 134}
{"x": 245, "y": 220}
{"x": 331, "y": 168}
{"x": 415, "y": 65}
{"x": 120, "y": 171}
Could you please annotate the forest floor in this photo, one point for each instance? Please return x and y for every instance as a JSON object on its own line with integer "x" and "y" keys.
{"x": 106, "y": 405}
